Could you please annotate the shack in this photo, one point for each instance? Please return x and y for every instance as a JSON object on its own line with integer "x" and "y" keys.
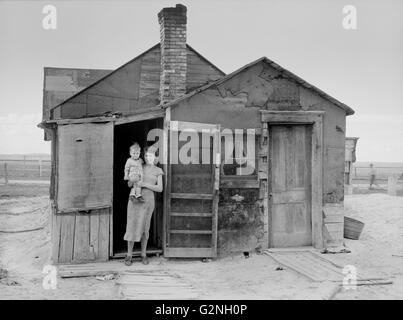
{"x": 251, "y": 159}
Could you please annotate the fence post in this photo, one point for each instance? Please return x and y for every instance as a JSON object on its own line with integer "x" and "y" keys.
{"x": 5, "y": 174}
{"x": 392, "y": 185}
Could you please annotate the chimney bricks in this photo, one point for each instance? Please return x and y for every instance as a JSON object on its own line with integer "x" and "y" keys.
{"x": 173, "y": 52}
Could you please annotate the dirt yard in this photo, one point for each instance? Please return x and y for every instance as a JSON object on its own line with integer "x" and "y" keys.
{"x": 380, "y": 248}
{"x": 380, "y": 251}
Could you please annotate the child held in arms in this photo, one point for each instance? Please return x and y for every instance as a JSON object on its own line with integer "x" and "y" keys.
{"x": 134, "y": 172}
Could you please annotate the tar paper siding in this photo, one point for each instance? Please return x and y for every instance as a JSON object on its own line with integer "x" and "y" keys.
{"x": 236, "y": 103}
{"x": 133, "y": 86}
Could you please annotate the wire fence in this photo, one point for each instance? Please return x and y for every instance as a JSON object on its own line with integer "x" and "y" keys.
{"x": 382, "y": 173}
{"x": 24, "y": 169}
{"x": 40, "y": 169}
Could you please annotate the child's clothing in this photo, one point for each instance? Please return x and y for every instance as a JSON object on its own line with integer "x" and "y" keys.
{"x": 134, "y": 173}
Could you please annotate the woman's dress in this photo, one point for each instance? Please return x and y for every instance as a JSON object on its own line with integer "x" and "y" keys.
{"x": 139, "y": 213}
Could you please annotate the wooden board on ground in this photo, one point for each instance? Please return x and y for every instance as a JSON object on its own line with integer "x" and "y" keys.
{"x": 157, "y": 285}
{"x": 91, "y": 269}
{"x": 317, "y": 268}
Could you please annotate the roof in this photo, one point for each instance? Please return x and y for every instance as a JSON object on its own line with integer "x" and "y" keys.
{"x": 77, "y": 69}
{"x": 286, "y": 73}
{"x": 60, "y": 84}
{"x": 132, "y": 60}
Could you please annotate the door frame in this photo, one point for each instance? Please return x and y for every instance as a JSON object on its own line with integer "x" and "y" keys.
{"x": 137, "y": 117}
{"x": 314, "y": 118}
{"x": 215, "y": 131}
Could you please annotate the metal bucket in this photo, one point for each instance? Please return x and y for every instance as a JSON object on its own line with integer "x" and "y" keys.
{"x": 352, "y": 228}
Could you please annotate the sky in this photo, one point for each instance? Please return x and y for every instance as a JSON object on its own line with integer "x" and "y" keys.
{"x": 362, "y": 68}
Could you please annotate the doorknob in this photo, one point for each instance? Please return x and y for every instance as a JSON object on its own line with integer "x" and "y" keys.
{"x": 270, "y": 195}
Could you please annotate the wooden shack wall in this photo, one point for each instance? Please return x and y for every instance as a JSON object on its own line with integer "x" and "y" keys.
{"x": 134, "y": 86}
{"x": 350, "y": 158}
{"x": 81, "y": 237}
{"x": 76, "y": 236}
{"x": 236, "y": 103}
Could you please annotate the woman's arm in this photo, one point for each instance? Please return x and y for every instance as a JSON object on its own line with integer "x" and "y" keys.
{"x": 156, "y": 187}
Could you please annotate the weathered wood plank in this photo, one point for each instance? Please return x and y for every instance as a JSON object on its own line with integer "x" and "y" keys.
{"x": 94, "y": 232}
{"x": 55, "y": 236}
{"x": 82, "y": 250}
{"x": 192, "y": 196}
{"x": 192, "y": 231}
{"x": 239, "y": 183}
{"x": 191, "y": 214}
{"x": 103, "y": 235}
{"x": 294, "y": 117}
{"x": 317, "y": 180}
{"x": 66, "y": 237}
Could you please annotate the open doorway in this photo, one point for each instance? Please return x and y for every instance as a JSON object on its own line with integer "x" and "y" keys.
{"x": 124, "y": 136}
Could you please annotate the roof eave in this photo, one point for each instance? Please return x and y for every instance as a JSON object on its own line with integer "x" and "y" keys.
{"x": 349, "y": 111}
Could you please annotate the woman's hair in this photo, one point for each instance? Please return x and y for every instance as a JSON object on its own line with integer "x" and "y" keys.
{"x": 150, "y": 149}
{"x": 135, "y": 145}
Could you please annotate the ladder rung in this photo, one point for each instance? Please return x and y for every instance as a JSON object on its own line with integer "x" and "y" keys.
{"x": 191, "y": 214}
{"x": 192, "y": 231}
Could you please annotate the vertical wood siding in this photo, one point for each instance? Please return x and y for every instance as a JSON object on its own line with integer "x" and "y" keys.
{"x": 79, "y": 237}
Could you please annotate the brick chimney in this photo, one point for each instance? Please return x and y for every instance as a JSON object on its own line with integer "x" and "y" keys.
{"x": 173, "y": 52}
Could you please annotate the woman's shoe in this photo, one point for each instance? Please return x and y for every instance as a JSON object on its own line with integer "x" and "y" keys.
{"x": 144, "y": 260}
{"x": 128, "y": 261}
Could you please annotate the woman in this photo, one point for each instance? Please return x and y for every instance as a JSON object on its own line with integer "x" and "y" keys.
{"x": 139, "y": 213}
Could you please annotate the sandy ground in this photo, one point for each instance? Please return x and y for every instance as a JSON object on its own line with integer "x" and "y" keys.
{"x": 380, "y": 250}
{"x": 24, "y": 255}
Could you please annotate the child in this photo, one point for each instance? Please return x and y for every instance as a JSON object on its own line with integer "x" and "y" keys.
{"x": 134, "y": 171}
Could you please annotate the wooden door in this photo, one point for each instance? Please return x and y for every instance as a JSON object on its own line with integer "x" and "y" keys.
{"x": 192, "y": 190}
{"x": 81, "y": 223}
{"x": 290, "y": 192}
{"x": 85, "y": 166}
